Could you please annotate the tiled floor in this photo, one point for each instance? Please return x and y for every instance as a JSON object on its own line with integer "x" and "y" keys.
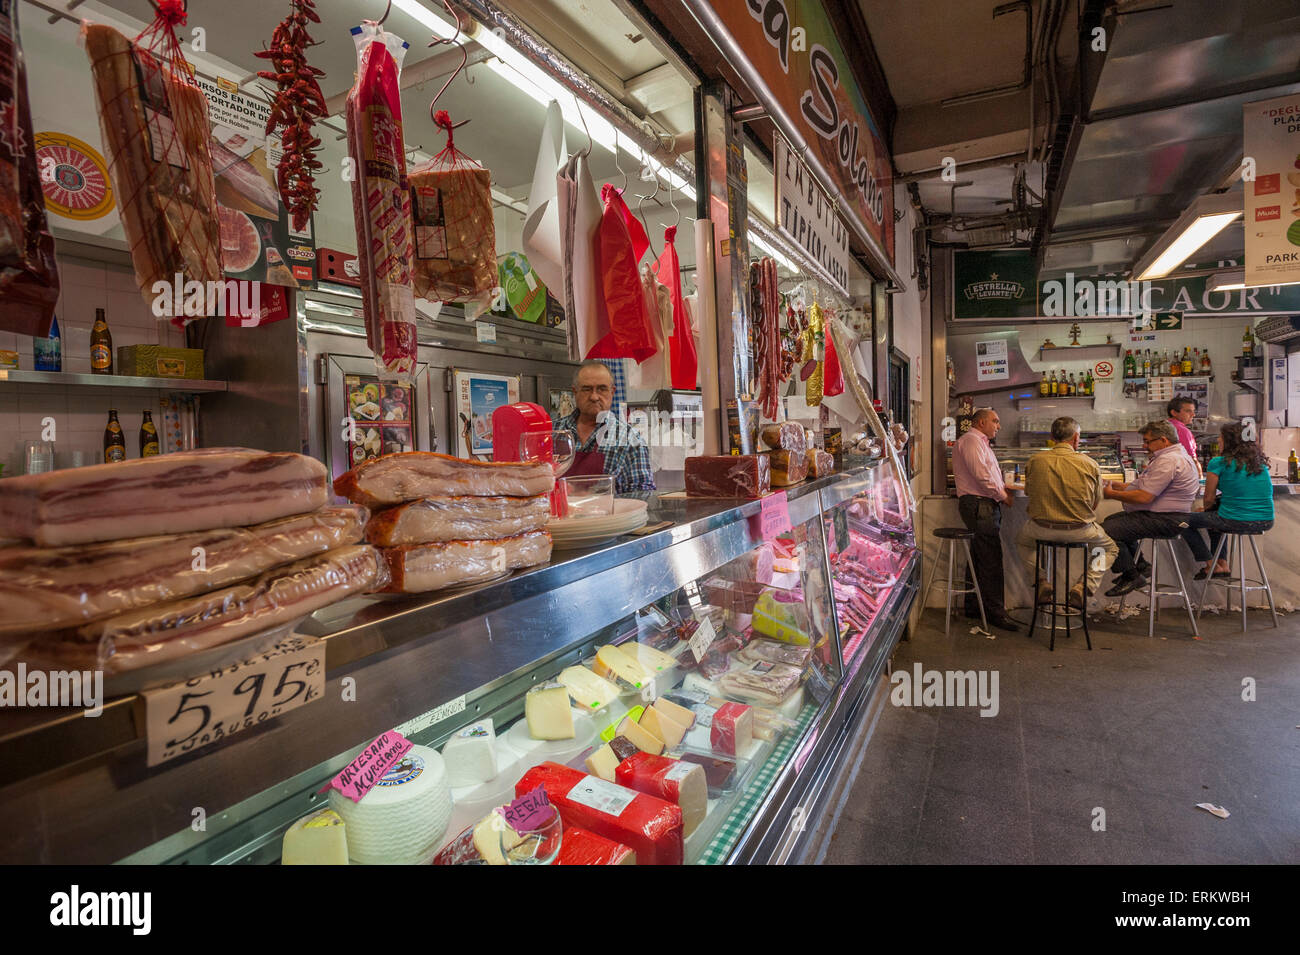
{"x": 1141, "y": 729}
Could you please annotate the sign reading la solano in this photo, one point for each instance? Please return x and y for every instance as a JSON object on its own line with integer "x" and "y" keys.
{"x": 1001, "y": 285}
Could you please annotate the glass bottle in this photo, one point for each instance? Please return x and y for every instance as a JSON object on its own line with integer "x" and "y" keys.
{"x": 101, "y": 345}
{"x": 1248, "y": 344}
{"x": 114, "y": 440}
{"x": 1187, "y": 361}
{"x": 1044, "y": 387}
{"x": 1052, "y": 385}
{"x": 48, "y": 352}
{"x": 1205, "y": 363}
{"x": 148, "y": 437}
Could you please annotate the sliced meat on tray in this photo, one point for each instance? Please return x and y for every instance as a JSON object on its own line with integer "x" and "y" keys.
{"x": 425, "y": 567}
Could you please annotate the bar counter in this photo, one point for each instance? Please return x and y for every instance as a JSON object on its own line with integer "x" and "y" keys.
{"x": 940, "y": 510}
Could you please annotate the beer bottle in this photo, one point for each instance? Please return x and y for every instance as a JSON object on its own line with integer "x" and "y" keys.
{"x": 1248, "y": 344}
{"x": 148, "y": 437}
{"x": 114, "y": 440}
{"x": 101, "y": 346}
{"x": 1053, "y": 383}
{"x": 1293, "y": 468}
{"x": 1044, "y": 387}
{"x": 1187, "y": 361}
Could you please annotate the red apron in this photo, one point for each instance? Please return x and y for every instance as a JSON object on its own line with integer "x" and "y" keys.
{"x": 587, "y": 463}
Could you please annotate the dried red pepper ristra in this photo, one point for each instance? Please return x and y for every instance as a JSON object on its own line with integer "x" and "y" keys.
{"x": 298, "y": 103}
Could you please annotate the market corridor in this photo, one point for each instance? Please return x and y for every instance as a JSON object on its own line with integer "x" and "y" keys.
{"x": 1142, "y": 729}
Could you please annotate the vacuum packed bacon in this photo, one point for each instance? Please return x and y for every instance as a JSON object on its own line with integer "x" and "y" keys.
{"x": 54, "y": 588}
{"x": 154, "y": 120}
{"x": 458, "y": 518}
{"x": 168, "y": 494}
{"x": 174, "y": 629}
{"x": 423, "y": 567}
{"x": 415, "y": 475}
{"x": 381, "y": 202}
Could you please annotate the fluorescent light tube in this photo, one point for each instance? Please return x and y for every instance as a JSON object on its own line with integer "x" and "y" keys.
{"x": 1202, "y": 221}
{"x": 1226, "y": 281}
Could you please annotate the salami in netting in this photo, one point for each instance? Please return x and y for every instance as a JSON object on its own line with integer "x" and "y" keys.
{"x": 154, "y": 121}
{"x": 380, "y": 201}
{"x": 29, "y": 282}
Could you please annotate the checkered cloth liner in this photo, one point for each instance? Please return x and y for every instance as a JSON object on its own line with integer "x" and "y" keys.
{"x": 619, "y": 403}
{"x": 743, "y": 815}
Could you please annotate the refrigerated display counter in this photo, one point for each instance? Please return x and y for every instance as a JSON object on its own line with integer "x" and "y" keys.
{"x": 793, "y": 628}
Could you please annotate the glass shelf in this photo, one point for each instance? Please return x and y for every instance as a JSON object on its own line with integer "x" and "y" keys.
{"x": 76, "y": 380}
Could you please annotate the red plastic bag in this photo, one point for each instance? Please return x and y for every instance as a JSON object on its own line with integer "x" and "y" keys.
{"x": 617, "y": 252}
{"x": 832, "y": 375}
{"x": 681, "y": 346}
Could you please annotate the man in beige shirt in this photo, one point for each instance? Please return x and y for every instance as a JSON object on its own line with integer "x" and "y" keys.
{"x": 1064, "y": 490}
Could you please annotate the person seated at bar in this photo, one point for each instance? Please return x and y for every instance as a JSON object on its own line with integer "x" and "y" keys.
{"x": 1157, "y": 504}
{"x": 1245, "y": 504}
{"x": 605, "y": 443}
{"x": 1064, "y": 490}
{"x": 981, "y": 493}
{"x": 1181, "y": 412}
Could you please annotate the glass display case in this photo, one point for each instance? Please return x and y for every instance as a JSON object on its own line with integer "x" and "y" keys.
{"x": 707, "y": 652}
{"x": 1013, "y": 460}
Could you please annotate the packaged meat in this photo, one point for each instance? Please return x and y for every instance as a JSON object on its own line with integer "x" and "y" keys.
{"x": 762, "y": 681}
{"x": 788, "y": 467}
{"x": 732, "y": 730}
{"x": 650, "y": 826}
{"x": 785, "y": 436}
{"x": 458, "y": 517}
{"x": 29, "y": 280}
{"x": 174, "y": 629}
{"x": 154, "y": 121}
{"x": 734, "y": 596}
{"x": 773, "y": 651}
{"x": 381, "y": 202}
{"x": 167, "y": 494}
{"x": 581, "y": 847}
{"x": 753, "y": 565}
{"x": 728, "y": 475}
{"x": 455, "y": 236}
{"x": 419, "y": 568}
{"x": 416, "y": 475}
{"x": 670, "y": 780}
{"x": 820, "y": 463}
{"x": 53, "y": 588}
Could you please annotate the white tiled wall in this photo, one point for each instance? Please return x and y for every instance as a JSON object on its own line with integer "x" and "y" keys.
{"x": 80, "y": 414}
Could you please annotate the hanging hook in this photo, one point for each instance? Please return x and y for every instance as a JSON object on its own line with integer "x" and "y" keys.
{"x": 590, "y": 142}
{"x": 464, "y": 59}
{"x": 387, "y": 10}
{"x": 641, "y": 201}
{"x": 619, "y": 166}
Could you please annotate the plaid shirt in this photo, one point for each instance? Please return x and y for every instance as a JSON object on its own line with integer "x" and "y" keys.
{"x": 626, "y": 456}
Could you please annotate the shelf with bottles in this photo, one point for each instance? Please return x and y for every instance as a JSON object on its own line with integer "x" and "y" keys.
{"x": 1054, "y": 353}
{"x": 78, "y": 380}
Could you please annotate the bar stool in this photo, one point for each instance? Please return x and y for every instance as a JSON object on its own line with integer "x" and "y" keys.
{"x": 949, "y": 538}
{"x": 1156, "y": 590}
{"x": 1233, "y": 540}
{"x": 1045, "y": 555}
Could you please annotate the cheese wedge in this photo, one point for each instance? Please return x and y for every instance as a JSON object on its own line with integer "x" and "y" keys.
{"x": 663, "y": 726}
{"x": 650, "y": 658}
{"x": 546, "y": 707}
{"x": 642, "y": 738}
{"x": 318, "y": 839}
{"x": 589, "y": 692}
{"x": 675, "y": 712}
{"x": 612, "y": 663}
{"x": 493, "y": 838}
{"x": 603, "y": 763}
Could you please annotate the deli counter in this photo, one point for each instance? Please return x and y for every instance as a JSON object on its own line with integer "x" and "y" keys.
{"x": 795, "y": 628}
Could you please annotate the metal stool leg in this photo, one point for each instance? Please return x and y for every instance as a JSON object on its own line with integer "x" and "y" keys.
{"x": 1209, "y": 578}
{"x": 1241, "y": 572}
{"x": 1227, "y": 584}
{"x": 1182, "y": 588}
{"x": 1152, "y": 584}
{"x": 1033, "y": 599}
{"x": 934, "y": 570}
{"x": 974, "y": 579}
{"x": 1083, "y": 614}
{"x": 947, "y": 601}
{"x": 1263, "y": 576}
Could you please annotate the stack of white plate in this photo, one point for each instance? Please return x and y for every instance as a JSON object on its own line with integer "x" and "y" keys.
{"x": 597, "y": 528}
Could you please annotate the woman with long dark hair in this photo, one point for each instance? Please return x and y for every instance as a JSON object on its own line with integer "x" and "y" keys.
{"x": 1240, "y": 476}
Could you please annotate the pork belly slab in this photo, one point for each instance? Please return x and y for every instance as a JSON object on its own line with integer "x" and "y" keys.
{"x": 414, "y": 475}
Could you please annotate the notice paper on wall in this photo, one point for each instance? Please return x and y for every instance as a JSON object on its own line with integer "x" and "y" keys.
{"x": 991, "y": 360}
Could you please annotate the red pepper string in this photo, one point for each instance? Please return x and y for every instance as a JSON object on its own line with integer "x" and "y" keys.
{"x": 441, "y": 118}
{"x": 670, "y": 234}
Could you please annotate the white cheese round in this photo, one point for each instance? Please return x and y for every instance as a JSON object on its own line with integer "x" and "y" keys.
{"x": 402, "y": 820}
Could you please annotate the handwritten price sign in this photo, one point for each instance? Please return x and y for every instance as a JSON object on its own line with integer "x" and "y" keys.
{"x": 186, "y": 716}
{"x": 774, "y": 518}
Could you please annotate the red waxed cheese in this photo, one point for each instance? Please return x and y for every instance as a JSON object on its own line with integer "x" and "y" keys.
{"x": 728, "y": 475}
{"x": 733, "y": 729}
{"x": 583, "y": 847}
{"x": 670, "y": 780}
{"x": 645, "y": 823}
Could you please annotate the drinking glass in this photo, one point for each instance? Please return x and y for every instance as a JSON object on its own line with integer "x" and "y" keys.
{"x": 38, "y": 456}
{"x": 559, "y": 448}
{"x": 589, "y": 495}
{"x": 537, "y": 846}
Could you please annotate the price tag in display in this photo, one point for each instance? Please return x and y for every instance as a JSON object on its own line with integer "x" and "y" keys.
{"x": 841, "y": 521}
{"x": 362, "y": 774}
{"x": 487, "y": 333}
{"x": 186, "y": 716}
{"x": 530, "y": 811}
{"x": 774, "y": 518}
{"x": 704, "y": 635}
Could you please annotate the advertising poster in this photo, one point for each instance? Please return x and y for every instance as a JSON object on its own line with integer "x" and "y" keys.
{"x": 478, "y": 394}
{"x": 1272, "y": 140}
{"x": 257, "y": 241}
{"x": 991, "y": 360}
{"x": 382, "y": 412}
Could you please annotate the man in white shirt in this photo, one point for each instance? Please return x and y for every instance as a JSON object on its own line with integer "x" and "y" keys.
{"x": 981, "y": 495}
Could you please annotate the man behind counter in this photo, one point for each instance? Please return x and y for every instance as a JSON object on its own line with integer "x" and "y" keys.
{"x": 981, "y": 494}
{"x": 606, "y": 444}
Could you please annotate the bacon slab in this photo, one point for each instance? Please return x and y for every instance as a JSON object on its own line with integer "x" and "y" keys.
{"x": 461, "y": 517}
{"x": 415, "y": 475}
{"x": 49, "y": 588}
{"x": 428, "y": 567}
{"x": 168, "y": 494}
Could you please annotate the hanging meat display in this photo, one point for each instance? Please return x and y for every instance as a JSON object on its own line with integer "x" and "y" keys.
{"x": 154, "y": 121}
{"x": 833, "y": 375}
{"x": 297, "y": 105}
{"x": 381, "y": 201}
{"x": 29, "y": 282}
{"x": 620, "y": 243}
{"x": 813, "y": 355}
{"x": 455, "y": 236}
{"x": 767, "y": 336}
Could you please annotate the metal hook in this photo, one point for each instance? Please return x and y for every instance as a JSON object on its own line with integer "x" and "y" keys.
{"x": 590, "y": 142}
{"x": 464, "y": 59}
{"x": 387, "y": 10}
{"x": 641, "y": 201}
{"x": 619, "y": 166}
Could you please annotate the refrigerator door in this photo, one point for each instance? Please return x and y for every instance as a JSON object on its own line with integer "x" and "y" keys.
{"x": 364, "y": 417}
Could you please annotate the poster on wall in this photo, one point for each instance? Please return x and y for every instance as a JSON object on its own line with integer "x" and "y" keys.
{"x": 74, "y": 180}
{"x": 258, "y": 242}
{"x": 478, "y": 394}
{"x": 1272, "y": 140}
{"x": 992, "y": 362}
{"x": 382, "y": 413}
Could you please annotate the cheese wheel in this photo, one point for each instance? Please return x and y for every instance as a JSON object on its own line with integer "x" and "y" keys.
{"x": 402, "y": 820}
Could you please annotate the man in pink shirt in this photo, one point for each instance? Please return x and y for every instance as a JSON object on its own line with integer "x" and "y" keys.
{"x": 981, "y": 494}
{"x": 1181, "y": 412}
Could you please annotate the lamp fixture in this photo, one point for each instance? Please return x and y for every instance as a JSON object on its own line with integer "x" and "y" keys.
{"x": 1203, "y": 220}
{"x": 1228, "y": 281}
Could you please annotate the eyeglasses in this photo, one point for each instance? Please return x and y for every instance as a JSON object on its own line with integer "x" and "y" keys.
{"x": 594, "y": 389}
